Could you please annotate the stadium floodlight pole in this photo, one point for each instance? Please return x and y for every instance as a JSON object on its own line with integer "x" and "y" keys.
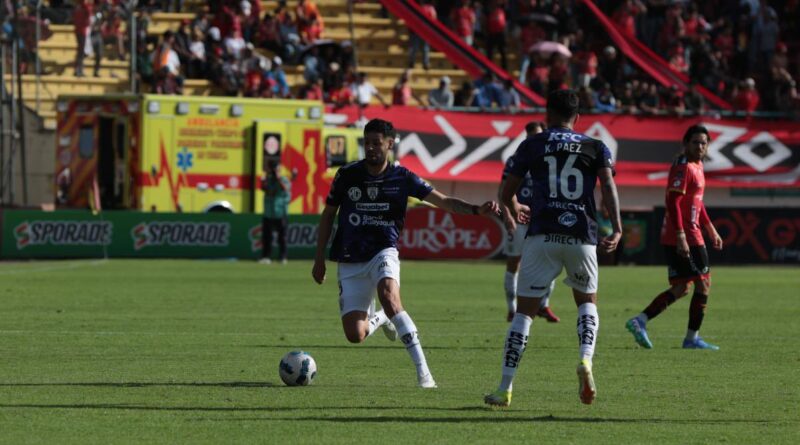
{"x": 132, "y": 39}
{"x": 20, "y": 104}
{"x": 4, "y": 97}
{"x": 352, "y": 28}
{"x": 38, "y": 62}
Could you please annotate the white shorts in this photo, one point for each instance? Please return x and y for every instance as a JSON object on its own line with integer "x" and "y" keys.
{"x": 514, "y": 242}
{"x": 358, "y": 282}
{"x": 543, "y": 257}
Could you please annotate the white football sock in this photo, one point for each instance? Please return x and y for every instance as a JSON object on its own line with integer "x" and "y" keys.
{"x": 516, "y": 340}
{"x": 407, "y": 332}
{"x": 376, "y": 321}
{"x": 643, "y": 318}
{"x": 588, "y": 324}
{"x": 510, "y": 284}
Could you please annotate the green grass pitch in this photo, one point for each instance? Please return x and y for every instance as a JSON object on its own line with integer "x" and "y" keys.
{"x": 131, "y": 351}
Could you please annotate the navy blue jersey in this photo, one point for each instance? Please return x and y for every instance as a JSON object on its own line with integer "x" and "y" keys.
{"x": 563, "y": 165}
{"x": 372, "y": 209}
{"x": 525, "y": 189}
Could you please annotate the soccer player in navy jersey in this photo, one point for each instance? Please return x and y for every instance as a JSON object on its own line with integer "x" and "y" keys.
{"x": 562, "y": 233}
{"x": 516, "y": 238}
{"x": 682, "y": 238}
{"x": 370, "y": 197}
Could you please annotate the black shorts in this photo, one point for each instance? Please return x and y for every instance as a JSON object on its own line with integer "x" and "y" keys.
{"x": 683, "y": 270}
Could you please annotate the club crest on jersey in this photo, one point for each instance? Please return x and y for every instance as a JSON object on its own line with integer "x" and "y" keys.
{"x": 354, "y": 193}
{"x": 568, "y": 219}
{"x": 372, "y": 192}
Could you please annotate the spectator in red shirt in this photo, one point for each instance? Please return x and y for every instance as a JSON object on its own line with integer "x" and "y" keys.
{"x": 625, "y": 16}
{"x": 529, "y": 34}
{"x": 313, "y": 31}
{"x": 585, "y": 62}
{"x": 313, "y": 91}
{"x": 747, "y": 98}
{"x": 306, "y": 11}
{"x": 463, "y": 19}
{"x": 677, "y": 61}
{"x": 340, "y": 95}
{"x": 496, "y": 31}
{"x": 81, "y": 18}
{"x": 402, "y": 91}
{"x": 694, "y": 24}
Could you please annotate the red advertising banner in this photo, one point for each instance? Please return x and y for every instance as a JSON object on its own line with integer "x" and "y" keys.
{"x": 460, "y": 146}
{"x": 433, "y": 233}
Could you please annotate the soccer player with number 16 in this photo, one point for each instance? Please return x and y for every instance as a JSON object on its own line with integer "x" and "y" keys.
{"x": 564, "y": 166}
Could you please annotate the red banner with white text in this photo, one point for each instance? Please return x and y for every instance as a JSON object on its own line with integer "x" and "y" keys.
{"x": 460, "y": 146}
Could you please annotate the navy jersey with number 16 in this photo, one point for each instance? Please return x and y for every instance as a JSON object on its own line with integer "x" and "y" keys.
{"x": 372, "y": 209}
{"x": 563, "y": 165}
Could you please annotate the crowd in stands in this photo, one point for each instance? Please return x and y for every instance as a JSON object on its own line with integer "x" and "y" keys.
{"x": 744, "y": 51}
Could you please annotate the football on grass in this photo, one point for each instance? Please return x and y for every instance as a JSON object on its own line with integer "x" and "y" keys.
{"x": 297, "y": 368}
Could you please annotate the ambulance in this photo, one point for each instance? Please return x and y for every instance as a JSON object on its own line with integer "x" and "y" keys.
{"x": 194, "y": 154}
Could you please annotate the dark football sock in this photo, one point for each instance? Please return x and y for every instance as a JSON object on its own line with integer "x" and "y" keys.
{"x": 659, "y": 304}
{"x": 697, "y": 310}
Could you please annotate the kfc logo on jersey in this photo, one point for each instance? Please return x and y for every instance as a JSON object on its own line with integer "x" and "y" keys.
{"x": 436, "y": 233}
{"x": 568, "y": 219}
{"x": 354, "y": 193}
{"x": 372, "y": 192}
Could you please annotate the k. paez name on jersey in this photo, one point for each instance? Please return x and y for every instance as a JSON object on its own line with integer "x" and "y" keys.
{"x": 568, "y": 142}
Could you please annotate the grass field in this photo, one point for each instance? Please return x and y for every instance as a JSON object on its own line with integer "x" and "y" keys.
{"x": 128, "y": 351}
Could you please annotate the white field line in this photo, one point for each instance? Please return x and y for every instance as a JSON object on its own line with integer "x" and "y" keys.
{"x": 50, "y": 268}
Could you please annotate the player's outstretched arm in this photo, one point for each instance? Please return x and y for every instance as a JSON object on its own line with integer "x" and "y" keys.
{"x": 611, "y": 200}
{"x": 457, "y": 205}
{"x": 512, "y": 212}
{"x": 323, "y": 235}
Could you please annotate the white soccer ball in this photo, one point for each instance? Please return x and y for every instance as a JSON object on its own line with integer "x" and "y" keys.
{"x": 297, "y": 368}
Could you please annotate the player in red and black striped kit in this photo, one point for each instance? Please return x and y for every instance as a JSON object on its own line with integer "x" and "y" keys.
{"x": 682, "y": 238}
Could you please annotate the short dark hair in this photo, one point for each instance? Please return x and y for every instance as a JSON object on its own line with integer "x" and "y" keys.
{"x": 563, "y": 103}
{"x": 381, "y": 127}
{"x": 532, "y": 125}
{"x": 693, "y": 130}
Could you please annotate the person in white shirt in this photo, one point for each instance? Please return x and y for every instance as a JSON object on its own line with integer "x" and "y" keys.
{"x": 364, "y": 91}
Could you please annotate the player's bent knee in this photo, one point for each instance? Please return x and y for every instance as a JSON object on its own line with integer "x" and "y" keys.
{"x": 680, "y": 290}
{"x": 355, "y": 334}
{"x": 703, "y": 285}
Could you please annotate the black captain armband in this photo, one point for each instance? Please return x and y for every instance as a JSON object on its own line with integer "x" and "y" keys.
{"x": 475, "y": 209}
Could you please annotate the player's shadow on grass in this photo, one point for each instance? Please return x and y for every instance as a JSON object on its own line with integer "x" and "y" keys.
{"x": 387, "y": 419}
{"x": 148, "y": 384}
{"x": 392, "y": 346}
{"x": 493, "y": 420}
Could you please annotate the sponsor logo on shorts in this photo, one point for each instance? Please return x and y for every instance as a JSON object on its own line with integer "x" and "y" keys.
{"x": 561, "y": 239}
{"x": 581, "y": 278}
{"x": 568, "y": 219}
{"x": 354, "y": 193}
{"x": 372, "y": 206}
